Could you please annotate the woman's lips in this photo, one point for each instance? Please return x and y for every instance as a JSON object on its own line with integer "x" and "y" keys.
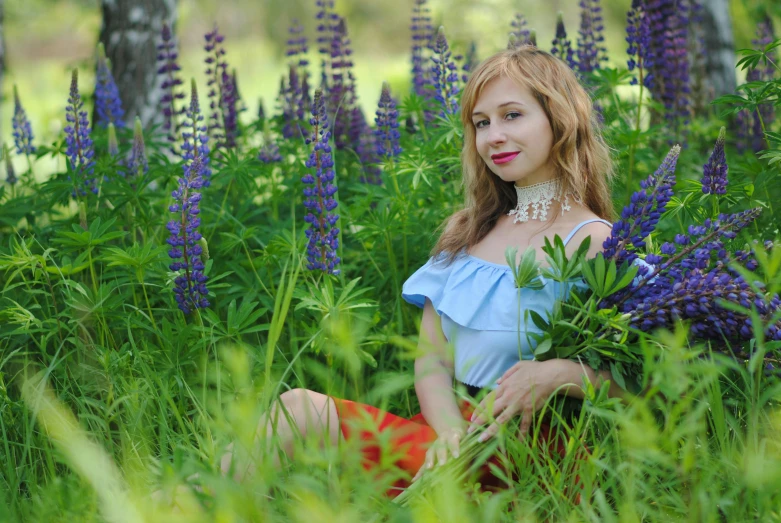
{"x": 505, "y": 159}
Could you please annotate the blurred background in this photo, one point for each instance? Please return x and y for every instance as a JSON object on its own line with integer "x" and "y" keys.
{"x": 45, "y": 39}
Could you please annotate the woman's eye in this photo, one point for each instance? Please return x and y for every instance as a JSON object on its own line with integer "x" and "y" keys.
{"x": 479, "y": 124}
{"x": 513, "y": 114}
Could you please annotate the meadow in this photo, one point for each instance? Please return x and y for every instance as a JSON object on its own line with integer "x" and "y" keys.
{"x": 166, "y": 285}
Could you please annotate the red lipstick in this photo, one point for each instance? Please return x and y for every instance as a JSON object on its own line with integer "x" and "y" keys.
{"x": 504, "y": 157}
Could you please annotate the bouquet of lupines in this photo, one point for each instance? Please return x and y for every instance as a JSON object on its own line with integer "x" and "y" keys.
{"x": 695, "y": 278}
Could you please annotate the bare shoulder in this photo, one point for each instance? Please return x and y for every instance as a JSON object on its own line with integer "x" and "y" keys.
{"x": 598, "y": 231}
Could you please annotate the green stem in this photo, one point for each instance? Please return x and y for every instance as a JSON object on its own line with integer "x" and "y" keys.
{"x": 222, "y": 211}
{"x": 92, "y": 271}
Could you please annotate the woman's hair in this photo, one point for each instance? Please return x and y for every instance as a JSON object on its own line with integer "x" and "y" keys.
{"x": 579, "y": 154}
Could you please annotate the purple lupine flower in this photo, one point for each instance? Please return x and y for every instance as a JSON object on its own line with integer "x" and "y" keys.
{"x": 639, "y": 218}
{"x": 238, "y": 100}
{"x": 445, "y": 76}
{"x": 519, "y": 34}
{"x": 341, "y": 97}
{"x": 229, "y": 110}
{"x": 297, "y": 45}
{"x": 168, "y": 68}
{"x": 327, "y": 22}
{"x": 323, "y": 235}
{"x": 113, "y": 145}
{"x": 137, "y": 164}
{"x": 221, "y": 104}
{"x": 269, "y": 153}
{"x": 387, "y": 125}
{"x": 195, "y": 138}
{"x": 470, "y": 61}
{"x": 753, "y": 125}
{"x": 189, "y": 286}
{"x": 591, "y": 48}
{"x": 306, "y": 98}
{"x": 638, "y": 36}
{"x": 562, "y": 46}
{"x": 668, "y": 22}
{"x": 108, "y": 106}
{"x": 365, "y": 146}
{"x": 293, "y": 112}
{"x": 714, "y": 173}
{"x": 22, "y": 130}
{"x": 422, "y": 34}
{"x": 10, "y": 173}
{"x": 80, "y": 151}
{"x": 261, "y": 111}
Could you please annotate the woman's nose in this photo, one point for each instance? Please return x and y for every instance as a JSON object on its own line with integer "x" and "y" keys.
{"x": 496, "y": 135}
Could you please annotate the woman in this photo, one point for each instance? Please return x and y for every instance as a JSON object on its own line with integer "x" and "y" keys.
{"x": 534, "y": 165}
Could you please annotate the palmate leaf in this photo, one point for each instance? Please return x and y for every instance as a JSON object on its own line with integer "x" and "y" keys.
{"x": 604, "y": 277}
{"x": 97, "y": 233}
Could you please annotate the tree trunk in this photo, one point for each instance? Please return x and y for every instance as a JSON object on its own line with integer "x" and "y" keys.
{"x": 130, "y": 33}
{"x": 717, "y": 53}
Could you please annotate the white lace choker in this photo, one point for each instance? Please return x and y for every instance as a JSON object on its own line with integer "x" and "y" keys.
{"x": 539, "y": 196}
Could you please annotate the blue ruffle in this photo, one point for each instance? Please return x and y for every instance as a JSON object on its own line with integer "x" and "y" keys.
{"x": 481, "y": 295}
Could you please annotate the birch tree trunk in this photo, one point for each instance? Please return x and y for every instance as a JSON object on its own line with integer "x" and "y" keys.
{"x": 130, "y": 33}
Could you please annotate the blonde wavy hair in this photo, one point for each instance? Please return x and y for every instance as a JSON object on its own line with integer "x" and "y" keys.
{"x": 579, "y": 153}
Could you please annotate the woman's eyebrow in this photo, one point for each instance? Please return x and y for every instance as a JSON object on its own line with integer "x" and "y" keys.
{"x": 501, "y": 105}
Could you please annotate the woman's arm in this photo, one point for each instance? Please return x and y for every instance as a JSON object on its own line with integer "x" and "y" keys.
{"x": 434, "y": 375}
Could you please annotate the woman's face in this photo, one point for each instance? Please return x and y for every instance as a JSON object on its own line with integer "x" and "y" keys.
{"x": 513, "y": 135}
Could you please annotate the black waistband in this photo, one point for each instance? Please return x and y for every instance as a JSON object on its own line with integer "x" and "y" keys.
{"x": 472, "y": 390}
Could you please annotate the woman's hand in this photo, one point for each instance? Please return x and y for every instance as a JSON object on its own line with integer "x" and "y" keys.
{"x": 448, "y": 440}
{"x": 523, "y": 389}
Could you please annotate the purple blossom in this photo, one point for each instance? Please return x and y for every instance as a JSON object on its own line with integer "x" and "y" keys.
{"x": 470, "y": 61}
{"x": 562, "y": 46}
{"x": 195, "y": 138}
{"x": 137, "y": 163}
{"x": 293, "y": 112}
{"x": 445, "y": 76}
{"x": 22, "y": 130}
{"x": 365, "y": 147}
{"x": 80, "y": 151}
{"x": 222, "y": 104}
{"x": 714, "y": 173}
{"x": 269, "y": 153}
{"x": 387, "y": 125}
{"x": 168, "y": 68}
{"x": 638, "y": 36}
{"x": 519, "y": 34}
{"x": 10, "y": 174}
{"x": 422, "y": 34}
{"x": 327, "y": 21}
{"x": 322, "y": 234}
{"x": 639, "y": 218}
{"x": 591, "y": 47}
{"x": 297, "y": 45}
{"x": 107, "y": 103}
{"x": 190, "y": 285}
{"x": 341, "y": 99}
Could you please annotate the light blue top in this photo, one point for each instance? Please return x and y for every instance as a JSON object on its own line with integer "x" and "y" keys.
{"x": 478, "y": 304}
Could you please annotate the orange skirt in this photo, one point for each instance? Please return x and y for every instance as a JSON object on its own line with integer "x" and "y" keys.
{"x": 409, "y": 439}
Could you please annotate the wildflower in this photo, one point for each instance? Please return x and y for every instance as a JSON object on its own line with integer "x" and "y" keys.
{"x": 639, "y": 218}
{"x": 269, "y": 153}
{"x": 222, "y": 108}
{"x": 638, "y": 36}
{"x": 108, "y": 106}
{"x": 591, "y": 49}
{"x": 445, "y": 76}
{"x": 297, "y": 45}
{"x": 387, "y": 125}
{"x": 714, "y": 173}
{"x": 22, "y": 130}
{"x": 422, "y": 33}
{"x": 342, "y": 97}
{"x": 323, "y": 236}
{"x": 261, "y": 111}
{"x": 137, "y": 163}
{"x": 519, "y": 35}
{"x": 562, "y": 46}
{"x": 365, "y": 147}
{"x": 79, "y": 151}
{"x": 10, "y": 174}
{"x": 168, "y": 68}
{"x": 189, "y": 286}
{"x": 195, "y": 138}
{"x": 113, "y": 145}
{"x": 470, "y": 61}
{"x": 293, "y": 113}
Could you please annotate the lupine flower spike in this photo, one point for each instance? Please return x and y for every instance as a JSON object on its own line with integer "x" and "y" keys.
{"x": 591, "y": 49}
{"x": 422, "y": 33}
{"x": 322, "y": 234}
{"x": 137, "y": 164}
{"x": 195, "y": 137}
{"x": 387, "y": 125}
{"x": 190, "y": 284}
{"x": 108, "y": 106}
{"x": 297, "y": 45}
{"x": 562, "y": 46}
{"x": 445, "y": 76}
{"x": 113, "y": 145}
{"x": 714, "y": 173}
{"x": 519, "y": 35}
{"x": 22, "y": 130}
{"x": 80, "y": 151}
{"x": 10, "y": 173}
{"x": 269, "y": 153}
{"x": 168, "y": 68}
{"x": 222, "y": 105}
{"x": 638, "y": 36}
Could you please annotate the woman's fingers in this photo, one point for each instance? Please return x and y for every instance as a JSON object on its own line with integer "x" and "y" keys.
{"x": 427, "y": 464}
{"x": 454, "y": 443}
{"x": 441, "y": 455}
{"x": 508, "y": 412}
{"x": 509, "y": 372}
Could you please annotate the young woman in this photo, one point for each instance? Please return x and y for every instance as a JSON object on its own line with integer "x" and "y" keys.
{"x": 534, "y": 165}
